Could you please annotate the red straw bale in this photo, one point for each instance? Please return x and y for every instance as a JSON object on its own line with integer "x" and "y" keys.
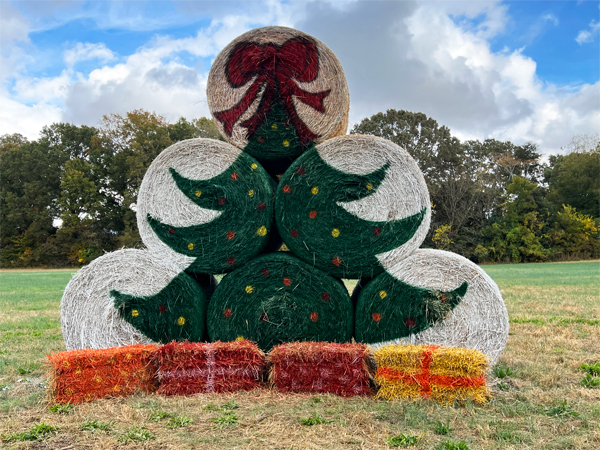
{"x": 342, "y": 369}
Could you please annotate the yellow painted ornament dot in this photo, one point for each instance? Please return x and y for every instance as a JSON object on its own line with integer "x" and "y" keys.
{"x": 262, "y": 231}
{"x": 315, "y": 190}
{"x": 274, "y": 126}
{"x": 181, "y": 321}
{"x": 249, "y": 289}
{"x": 369, "y": 186}
{"x": 382, "y": 294}
{"x": 253, "y": 166}
{"x": 335, "y": 232}
{"x": 135, "y": 313}
{"x": 198, "y": 193}
{"x": 286, "y": 143}
{"x": 251, "y": 193}
{"x": 239, "y": 338}
{"x": 191, "y": 246}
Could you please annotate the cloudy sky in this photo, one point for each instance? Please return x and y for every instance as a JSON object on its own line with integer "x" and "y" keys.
{"x": 510, "y": 70}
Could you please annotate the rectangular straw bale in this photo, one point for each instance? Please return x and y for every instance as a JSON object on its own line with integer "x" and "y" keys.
{"x": 444, "y": 374}
{"x": 186, "y": 368}
{"x": 79, "y": 376}
{"x": 319, "y": 367}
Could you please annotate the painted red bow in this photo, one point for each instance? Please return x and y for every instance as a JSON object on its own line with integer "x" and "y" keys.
{"x": 278, "y": 68}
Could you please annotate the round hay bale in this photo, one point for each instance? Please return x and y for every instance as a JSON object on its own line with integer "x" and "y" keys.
{"x": 433, "y": 298}
{"x": 278, "y": 298}
{"x": 131, "y": 297}
{"x": 274, "y": 90}
{"x": 205, "y": 205}
{"x": 353, "y": 206}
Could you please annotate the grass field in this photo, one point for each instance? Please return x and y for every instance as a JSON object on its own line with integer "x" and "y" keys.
{"x": 539, "y": 401}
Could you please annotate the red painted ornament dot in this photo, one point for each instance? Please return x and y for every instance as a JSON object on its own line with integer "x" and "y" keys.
{"x": 326, "y": 296}
{"x": 287, "y": 189}
{"x": 228, "y": 313}
{"x": 300, "y": 171}
{"x": 376, "y": 231}
{"x": 231, "y": 261}
{"x": 314, "y": 316}
{"x": 260, "y": 139}
{"x": 221, "y": 200}
{"x": 230, "y": 235}
{"x": 162, "y": 309}
{"x": 409, "y": 322}
{"x": 294, "y": 233}
{"x": 234, "y": 176}
{"x": 376, "y": 317}
{"x": 312, "y": 214}
{"x": 171, "y": 230}
{"x": 265, "y": 272}
{"x": 261, "y": 206}
{"x": 336, "y": 261}
{"x": 287, "y": 281}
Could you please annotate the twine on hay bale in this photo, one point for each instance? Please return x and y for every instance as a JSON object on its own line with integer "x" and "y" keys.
{"x": 131, "y": 297}
{"x": 277, "y": 298}
{"x": 341, "y": 369}
{"x": 433, "y": 297}
{"x": 443, "y": 374}
{"x": 206, "y": 206}
{"x": 274, "y": 91}
{"x": 80, "y": 376}
{"x": 186, "y": 368}
{"x": 353, "y": 206}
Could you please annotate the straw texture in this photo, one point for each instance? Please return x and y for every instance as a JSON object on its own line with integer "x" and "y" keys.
{"x": 353, "y": 206}
{"x": 89, "y": 318}
{"x": 443, "y": 374}
{"x": 80, "y": 376}
{"x": 277, "y": 298}
{"x": 190, "y": 368}
{"x": 479, "y": 321}
{"x": 319, "y": 367}
{"x": 277, "y": 76}
{"x": 206, "y": 206}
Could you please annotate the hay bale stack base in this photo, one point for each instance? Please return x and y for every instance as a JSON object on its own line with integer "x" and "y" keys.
{"x": 185, "y": 368}
{"x": 80, "y": 376}
{"x": 205, "y": 206}
{"x": 353, "y": 206}
{"x": 274, "y": 91}
{"x": 319, "y": 367}
{"x": 277, "y": 298}
{"x": 443, "y": 374}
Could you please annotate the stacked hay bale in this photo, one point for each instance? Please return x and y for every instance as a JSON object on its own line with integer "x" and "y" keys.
{"x": 346, "y": 206}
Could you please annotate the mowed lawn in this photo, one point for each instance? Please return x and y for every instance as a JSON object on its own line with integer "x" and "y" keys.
{"x": 538, "y": 400}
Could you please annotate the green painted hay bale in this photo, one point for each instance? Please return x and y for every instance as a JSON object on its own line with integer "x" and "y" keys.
{"x": 433, "y": 297}
{"x": 131, "y": 297}
{"x": 277, "y": 298}
{"x": 353, "y": 206}
{"x": 206, "y": 206}
{"x": 275, "y": 91}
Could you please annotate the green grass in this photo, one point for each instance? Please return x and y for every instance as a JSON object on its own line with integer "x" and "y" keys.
{"x": 539, "y": 397}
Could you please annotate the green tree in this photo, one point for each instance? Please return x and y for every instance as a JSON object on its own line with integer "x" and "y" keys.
{"x": 574, "y": 235}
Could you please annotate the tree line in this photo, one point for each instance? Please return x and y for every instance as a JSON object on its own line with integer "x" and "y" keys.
{"x": 69, "y": 196}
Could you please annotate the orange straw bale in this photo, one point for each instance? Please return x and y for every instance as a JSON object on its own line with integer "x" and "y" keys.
{"x": 186, "y": 368}
{"x": 78, "y": 376}
{"x": 341, "y": 369}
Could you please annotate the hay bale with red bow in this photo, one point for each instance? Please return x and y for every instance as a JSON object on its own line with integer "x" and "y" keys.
{"x": 444, "y": 374}
{"x": 186, "y": 368}
{"x": 319, "y": 367}
{"x": 79, "y": 376}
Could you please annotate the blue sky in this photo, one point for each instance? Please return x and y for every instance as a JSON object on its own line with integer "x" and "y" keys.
{"x": 516, "y": 70}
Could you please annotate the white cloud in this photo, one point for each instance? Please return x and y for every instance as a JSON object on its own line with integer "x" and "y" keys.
{"x": 87, "y": 51}
{"x": 586, "y": 36}
{"x": 15, "y": 117}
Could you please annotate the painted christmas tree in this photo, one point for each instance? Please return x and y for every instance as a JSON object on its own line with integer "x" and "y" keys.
{"x": 315, "y": 226}
{"x": 389, "y": 309}
{"x": 244, "y": 196}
